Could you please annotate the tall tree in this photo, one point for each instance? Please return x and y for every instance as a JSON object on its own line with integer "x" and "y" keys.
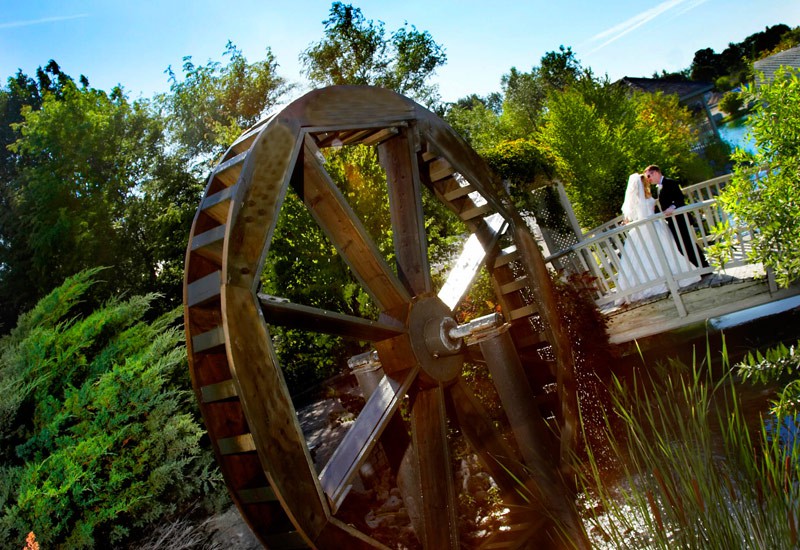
{"x": 213, "y": 103}
{"x": 93, "y": 185}
{"x": 525, "y": 93}
{"x": 356, "y": 50}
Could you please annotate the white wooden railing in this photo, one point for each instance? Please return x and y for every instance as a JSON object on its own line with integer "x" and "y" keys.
{"x": 600, "y": 251}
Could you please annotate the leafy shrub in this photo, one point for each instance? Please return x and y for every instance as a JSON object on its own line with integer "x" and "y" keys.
{"x": 731, "y": 102}
{"x": 99, "y": 436}
{"x": 762, "y": 193}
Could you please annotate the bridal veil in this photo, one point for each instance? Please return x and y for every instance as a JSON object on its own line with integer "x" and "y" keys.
{"x": 635, "y": 207}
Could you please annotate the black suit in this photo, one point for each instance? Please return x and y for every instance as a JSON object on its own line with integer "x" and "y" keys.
{"x": 671, "y": 195}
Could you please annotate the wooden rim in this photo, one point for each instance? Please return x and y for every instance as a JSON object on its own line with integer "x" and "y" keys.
{"x": 243, "y": 397}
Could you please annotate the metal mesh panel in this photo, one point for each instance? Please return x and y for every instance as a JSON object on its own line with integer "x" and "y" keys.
{"x": 554, "y": 226}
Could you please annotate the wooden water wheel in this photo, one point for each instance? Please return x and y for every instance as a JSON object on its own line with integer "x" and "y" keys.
{"x": 248, "y": 410}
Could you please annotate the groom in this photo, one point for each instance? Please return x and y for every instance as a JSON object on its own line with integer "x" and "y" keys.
{"x": 671, "y": 197}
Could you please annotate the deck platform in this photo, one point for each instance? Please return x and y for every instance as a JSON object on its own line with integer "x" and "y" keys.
{"x": 716, "y": 295}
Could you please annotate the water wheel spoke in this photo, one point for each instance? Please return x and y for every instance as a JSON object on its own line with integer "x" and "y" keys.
{"x": 438, "y": 502}
{"x": 405, "y": 205}
{"x": 286, "y": 314}
{"x": 347, "y": 233}
{"x": 354, "y": 449}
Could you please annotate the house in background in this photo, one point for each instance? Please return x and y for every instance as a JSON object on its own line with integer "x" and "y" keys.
{"x": 769, "y": 65}
{"x": 692, "y": 95}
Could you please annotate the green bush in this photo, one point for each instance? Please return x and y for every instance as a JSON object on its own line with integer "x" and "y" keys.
{"x": 723, "y": 83}
{"x": 731, "y": 102}
{"x": 762, "y": 193}
{"x": 99, "y": 434}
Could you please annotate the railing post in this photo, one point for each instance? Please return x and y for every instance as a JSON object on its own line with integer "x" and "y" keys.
{"x": 672, "y": 285}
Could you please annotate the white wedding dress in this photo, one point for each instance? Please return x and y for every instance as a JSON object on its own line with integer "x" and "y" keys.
{"x": 640, "y": 262}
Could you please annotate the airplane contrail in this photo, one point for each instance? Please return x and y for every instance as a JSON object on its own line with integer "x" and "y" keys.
{"x": 14, "y": 24}
{"x": 618, "y": 31}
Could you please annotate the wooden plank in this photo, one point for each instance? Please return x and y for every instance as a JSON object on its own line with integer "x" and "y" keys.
{"x": 228, "y": 171}
{"x": 218, "y": 204}
{"x": 259, "y": 494}
{"x": 347, "y": 233}
{"x": 350, "y": 106}
{"x": 359, "y": 441}
{"x": 204, "y": 289}
{"x": 506, "y": 256}
{"x": 472, "y": 212}
{"x": 237, "y": 444}
{"x": 208, "y": 340}
{"x": 458, "y": 193}
{"x": 708, "y": 300}
{"x": 463, "y": 159}
{"x": 526, "y": 311}
{"x": 429, "y": 435}
{"x": 397, "y": 157}
{"x": 514, "y": 285}
{"x": 209, "y": 244}
{"x": 270, "y": 414}
{"x": 439, "y": 169}
{"x": 259, "y": 196}
{"x": 218, "y": 391}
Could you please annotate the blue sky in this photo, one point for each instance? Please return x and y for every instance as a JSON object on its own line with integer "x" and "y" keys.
{"x": 133, "y": 42}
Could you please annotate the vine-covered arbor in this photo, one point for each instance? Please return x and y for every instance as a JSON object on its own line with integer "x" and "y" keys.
{"x": 415, "y": 340}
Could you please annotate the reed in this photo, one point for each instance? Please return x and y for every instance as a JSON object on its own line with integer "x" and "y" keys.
{"x": 691, "y": 467}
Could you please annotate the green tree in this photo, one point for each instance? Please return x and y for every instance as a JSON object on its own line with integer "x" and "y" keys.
{"x": 95, "y": 185}
{"x": 477, "y": 120}
{"x": 98, "y": 436}
{"x": 356, "y": 51}
{"x": 525, "y": 94}
{"x": 21, "y": 93}
{"x": 302, "y": 264}
{"x": 763, "y": 190}
{"x": 214, "y": 103}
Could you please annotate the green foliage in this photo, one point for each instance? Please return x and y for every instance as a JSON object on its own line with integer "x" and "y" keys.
{"x": 215, "y": 103}
{"x": 781, "y": 365}
{"x": 357, "y": 51}
{"x": 518, "y": 161}
{"x": 477, "y": 120}
{"x": 734, "y": 60}
{"x": 103, "y": 439}
{"x": 91, "y": 183}
{"x": 525, "y": 94}
{"x": 524, "y": 166}
{"x": 762, "y": 193}
{"x": 731, "y": 102}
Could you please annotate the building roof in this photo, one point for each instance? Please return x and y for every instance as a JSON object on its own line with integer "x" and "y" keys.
{"x": 685, "y": 90}
{"x": 786, "y": 58}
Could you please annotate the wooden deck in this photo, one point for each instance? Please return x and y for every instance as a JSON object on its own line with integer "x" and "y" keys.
{"x": 718, "y": 294}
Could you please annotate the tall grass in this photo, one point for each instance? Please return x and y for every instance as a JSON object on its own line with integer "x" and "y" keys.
{"x": 693, "y": 467}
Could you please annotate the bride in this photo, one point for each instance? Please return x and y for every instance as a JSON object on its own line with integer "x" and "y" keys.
{"x": 640, "y": 261}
